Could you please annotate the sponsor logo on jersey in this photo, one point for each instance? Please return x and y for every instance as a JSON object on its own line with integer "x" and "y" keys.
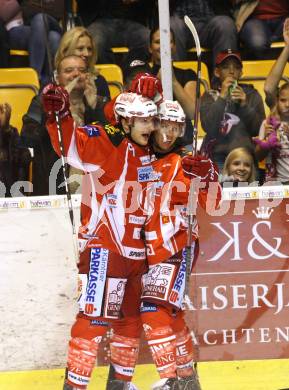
{"x": 112, "y": 200}
{"x": 148, "y": 174}
{"x": 145, "y": 159}
{"x": 178, "y": 288}
{"x": 147, "y": 307}
{"x": 144, "y": 174}
{"x": 137, "y": 254}
{"x": 157, "y": 281}
{"x": 91, "y": 131}
{"x": 136, "y": 220}
{"x": 98, "y": 323}
{"x": 96, "y": 281}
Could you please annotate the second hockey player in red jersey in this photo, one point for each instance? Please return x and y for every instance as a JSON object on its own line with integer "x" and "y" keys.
{"x": 166, "y": 230}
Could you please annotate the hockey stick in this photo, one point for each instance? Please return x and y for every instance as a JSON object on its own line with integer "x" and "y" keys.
{"x": 191, "y": 217}
{"x": 60, "y": 139}
{"x": 67, "y": 189}
{"x": 193, "y": 30}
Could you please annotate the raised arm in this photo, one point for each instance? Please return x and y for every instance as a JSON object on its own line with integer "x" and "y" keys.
{"x": 276, "y": 73}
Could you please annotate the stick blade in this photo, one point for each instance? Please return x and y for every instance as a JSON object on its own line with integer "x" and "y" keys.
{"x": 193, "y": 30}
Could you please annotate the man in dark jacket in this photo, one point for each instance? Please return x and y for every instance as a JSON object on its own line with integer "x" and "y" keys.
{"x": 231, "y": 114}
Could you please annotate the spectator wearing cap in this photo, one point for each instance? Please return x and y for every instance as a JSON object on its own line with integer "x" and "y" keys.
{"x": 260, "y": 23}
{"x": 231, "y": 113}
{"x": 213, "y": 22}
{"x": 132, "y": 69}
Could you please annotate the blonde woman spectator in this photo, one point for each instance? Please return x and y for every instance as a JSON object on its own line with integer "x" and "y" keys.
{"x": 78, "y": 41}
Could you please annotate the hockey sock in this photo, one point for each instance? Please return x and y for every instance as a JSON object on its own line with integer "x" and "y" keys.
{"x": 81, "y": 359}
{"x": 124, "y": 354}
{"x": 86, "y": 334}
{"x": 184, "y": 353}
{"x": 162, "y": 345}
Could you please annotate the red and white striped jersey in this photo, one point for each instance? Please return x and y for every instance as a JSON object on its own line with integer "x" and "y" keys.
{"x": 166, "y": 208}
{"x": 116, "y": 174}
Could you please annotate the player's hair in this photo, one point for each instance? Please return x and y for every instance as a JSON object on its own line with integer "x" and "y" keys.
{"x": 68, "y": 45}
{"x": 235, "y": 153}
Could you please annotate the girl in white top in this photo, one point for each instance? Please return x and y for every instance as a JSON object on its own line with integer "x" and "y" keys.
{"x": 273, "y": 140}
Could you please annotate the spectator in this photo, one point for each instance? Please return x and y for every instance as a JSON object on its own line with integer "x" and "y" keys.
{"x": 4, "y": 46}
{"x": 260, "y": 23}
{"x": 273, "y": 141}
{"x": 14, "y": 161}
{"x": 231, "y": 113}
{"x": 31, "y": 35}
{"x": 183, "y": 80}
{"x": 276, "y": 73}
{"x": 117, "y": 23}
{"x": 239, "y": 166}
{"x": 71, "y": 73}
{"x": 216, "y": 32}
{"x": 78, "y": 41}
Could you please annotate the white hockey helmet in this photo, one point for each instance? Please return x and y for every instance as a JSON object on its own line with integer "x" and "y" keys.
{"x": 171, "y": 110}
{"x": 129, "y": 104}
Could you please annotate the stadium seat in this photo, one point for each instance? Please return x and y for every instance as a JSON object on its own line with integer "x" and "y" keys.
{"x": 113, "y": 75}
{"x": 205, "y": 81}
{"x": 17, "y": 87}
{"x": 120, "y": 50}
{"x": 260, "y": 68}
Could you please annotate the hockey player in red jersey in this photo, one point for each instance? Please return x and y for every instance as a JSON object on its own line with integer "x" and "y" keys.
{"x": 165, "y": 233}
{"x": 117, "y": 165}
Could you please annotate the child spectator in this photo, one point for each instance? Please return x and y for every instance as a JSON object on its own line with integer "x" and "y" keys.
{"x": 273, "y": 141}
{"x": 239, "y": 166}
{"x": 14, "y": 161}
{"x": 231, "y": 113}
{"x": 275, "y": 74}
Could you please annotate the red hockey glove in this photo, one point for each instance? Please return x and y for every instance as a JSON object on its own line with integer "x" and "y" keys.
{"x": 55, "y": 99}
{"x": 149, "y": 86}
{"x": 199, "y": 167}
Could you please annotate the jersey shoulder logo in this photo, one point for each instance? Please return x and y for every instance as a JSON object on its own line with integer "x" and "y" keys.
{"x": 115, "y": 134}
{"x": 92, "y": 130}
